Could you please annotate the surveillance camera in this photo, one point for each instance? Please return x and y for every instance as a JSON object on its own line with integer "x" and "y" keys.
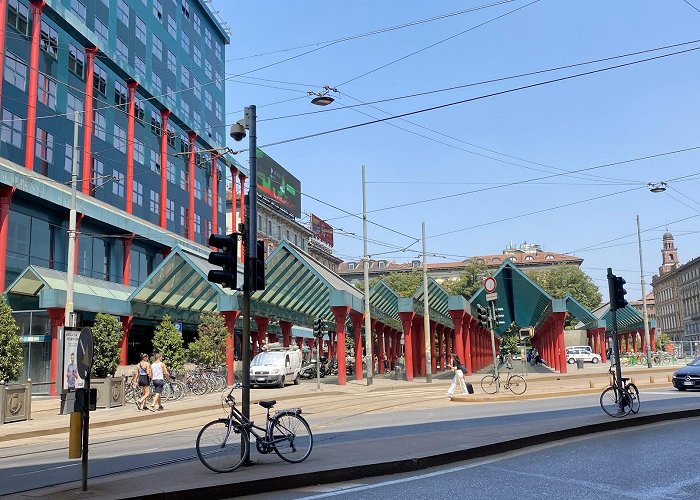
{"x": 237, "y": 131}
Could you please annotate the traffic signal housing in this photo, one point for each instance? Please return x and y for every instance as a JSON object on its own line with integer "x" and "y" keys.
{"x": 318, "y": 327}
{"x": 618, "y": 301}
{"x": 482, "y": 316}
{"x": 498, "y": 317}
{"x": 226, "y": 257}
{"x": 259, "y": 267}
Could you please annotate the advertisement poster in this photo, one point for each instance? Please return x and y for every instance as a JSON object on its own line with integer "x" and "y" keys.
{"x": 277, "y": 184}
{"x": 71, "y": 380}
{"x": 322, "y": 230}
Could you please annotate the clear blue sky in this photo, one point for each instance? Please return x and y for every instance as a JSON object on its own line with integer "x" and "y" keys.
{"x": 636, "y": 111}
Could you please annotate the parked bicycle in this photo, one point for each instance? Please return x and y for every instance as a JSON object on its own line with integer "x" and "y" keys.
{"x": 490, "y": 384}
{"x": 223, "y": 445}
{"x": 619, "y": 401}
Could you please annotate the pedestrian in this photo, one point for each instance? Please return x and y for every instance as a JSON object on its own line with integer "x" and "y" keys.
{"x": 142, "y": 377}
{"x": 386, "y": 362}
{"x": 456, "y": 366}
{"x": 159, "y": 371}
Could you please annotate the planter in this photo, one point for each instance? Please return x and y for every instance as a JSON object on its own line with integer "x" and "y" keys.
{"x": 110, "y": 391}
{"x": 15, "y": 402}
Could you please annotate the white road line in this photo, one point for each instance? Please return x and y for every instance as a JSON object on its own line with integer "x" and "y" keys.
{"x": 44, "y": 470}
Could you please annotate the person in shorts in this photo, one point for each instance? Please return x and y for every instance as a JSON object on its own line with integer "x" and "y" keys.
{"x": 159, "y": 372}
{"x": 142, "y": 377}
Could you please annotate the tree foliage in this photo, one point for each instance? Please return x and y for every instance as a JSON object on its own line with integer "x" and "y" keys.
{"x": 510, "y": 339}
{"x": 469, "y": 280}
{"x": 106, "y": 333}
{"x": 11, "y": 357}
{"x": 404, "y": 284}
{"x": 560, "y": 280}
{"x": 168, "y": 342}
{"x": 661, "y": 340}
{"x": 209, "y": 350}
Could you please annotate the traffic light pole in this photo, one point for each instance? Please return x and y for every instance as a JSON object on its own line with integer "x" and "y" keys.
{"x": 492, "y": 321}
{"x": 251, "y": 231}
{"x": 615, "y": 340}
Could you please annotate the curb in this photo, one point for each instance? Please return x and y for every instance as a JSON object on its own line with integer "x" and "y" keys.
{"x": 287, "y": 482}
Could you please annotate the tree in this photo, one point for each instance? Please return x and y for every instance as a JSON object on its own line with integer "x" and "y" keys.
{"x": 106, "y": 333}
{"x": 209, "y": 350}
{"x": 510, "y": 340}
{"x": 404, "y": 284}
{"x": 560, "y": 280}
{"x": 661, "y": 340}
{"x": 469, "y": 280}
{"x": 168, "y": 342}
{"x": 11, "y": 357}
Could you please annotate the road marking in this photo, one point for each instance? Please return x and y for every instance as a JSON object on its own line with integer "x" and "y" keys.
{"x": 44, "y": 470}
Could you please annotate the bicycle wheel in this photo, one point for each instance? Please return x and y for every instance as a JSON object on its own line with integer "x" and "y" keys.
{"x": 222, "y": 447}
{"x": 291, "y": 437}
{"x": 489, "y": 384}
{"x": 517, "y": 384}
{"x": 199, "y": 387}
{"x": 615, "y": 402}
{"x": 634, "y": 397}
{"x": 179, "y": 389}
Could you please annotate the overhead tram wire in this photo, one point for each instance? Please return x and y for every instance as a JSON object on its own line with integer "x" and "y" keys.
{"x": 435, "y": 44}
{"x": 693, "y": 6}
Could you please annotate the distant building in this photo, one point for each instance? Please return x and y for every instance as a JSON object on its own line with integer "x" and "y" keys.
{"x": 667, "y": 290}
{"x": 651, "y": 306}
{"x": 527, "y": 256}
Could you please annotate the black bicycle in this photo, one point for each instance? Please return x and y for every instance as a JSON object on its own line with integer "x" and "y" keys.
{"x": 224, "y": 444}
{"x": 619, "y": 401}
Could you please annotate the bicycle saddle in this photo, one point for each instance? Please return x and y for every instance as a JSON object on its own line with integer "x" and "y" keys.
{"x": 624, "y": 379}
{"x": 267, "y": 404}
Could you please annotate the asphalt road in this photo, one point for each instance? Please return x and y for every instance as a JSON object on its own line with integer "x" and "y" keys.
{"x": 400, "y": 415}
{"x": 653, "y": 462}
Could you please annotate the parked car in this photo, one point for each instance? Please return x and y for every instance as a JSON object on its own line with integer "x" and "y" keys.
{"x": 276, "y": 366}
{"x": 584, "y": 347}
{"x": 687, "y": 377}
{"x": 572, "y": 354}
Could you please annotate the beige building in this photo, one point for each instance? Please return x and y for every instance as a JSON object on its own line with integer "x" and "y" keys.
{"x": 527, "y": 256}
{"x": 667, "y": 291}
{"x": 651, "y": 306}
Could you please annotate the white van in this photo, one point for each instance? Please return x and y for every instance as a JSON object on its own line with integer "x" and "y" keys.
{"x": 276, "y": 366}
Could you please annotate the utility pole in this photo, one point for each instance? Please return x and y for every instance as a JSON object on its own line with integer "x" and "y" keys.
{"x": 368, "y": 321}
{"x": 72, "y": 223}
{"x": 616, "y": 342}
{"x": 426, "y": 317}
{"x": 647, "y": 338}
{"x": 492, "y": 323}
{"x": 251, "y": 232}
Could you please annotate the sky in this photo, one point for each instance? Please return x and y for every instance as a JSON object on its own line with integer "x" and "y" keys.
{"x": 496, "y": 167}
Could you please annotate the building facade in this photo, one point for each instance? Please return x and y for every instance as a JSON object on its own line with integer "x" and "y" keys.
{"x": 144, "y": 80}
{"x": 528, "y": 256}
{"x": 667, "y": 291}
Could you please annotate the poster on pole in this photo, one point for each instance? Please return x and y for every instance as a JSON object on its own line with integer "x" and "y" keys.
{"x": 71, "y": 378}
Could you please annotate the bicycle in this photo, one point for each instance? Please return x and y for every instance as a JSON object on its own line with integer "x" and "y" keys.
{"x": 619, "y": 401}
{"x": 223, "y": 445}
{"x": 491, "y": 383}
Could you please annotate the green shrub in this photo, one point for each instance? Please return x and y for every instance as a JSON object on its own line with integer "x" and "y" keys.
{"x": 106, "y": 333}
{"x": 209, "y": 350}
{"x": 11, "y": 357}
{"x": 167, "y": 341}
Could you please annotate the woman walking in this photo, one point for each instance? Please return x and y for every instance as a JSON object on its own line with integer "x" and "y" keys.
{"x": 142, "y": 376}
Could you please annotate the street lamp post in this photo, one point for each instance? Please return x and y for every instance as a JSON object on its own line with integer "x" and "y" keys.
{"x": 368, "y": 321}
{"x": 72, "y": 223}
{"x": 426, "y": 317}
{"x": 647, "y": 338}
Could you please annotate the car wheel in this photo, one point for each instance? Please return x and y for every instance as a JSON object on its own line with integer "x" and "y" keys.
{"x": 281, "y": 384}
{"x": 571, "y": 361}
{"x": 594, "y": 360}
{"x": 296, "y": 380}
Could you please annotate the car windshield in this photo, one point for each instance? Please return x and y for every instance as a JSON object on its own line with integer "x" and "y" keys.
{"x": 267, "y": 358}
{"x": 695, "y": 362}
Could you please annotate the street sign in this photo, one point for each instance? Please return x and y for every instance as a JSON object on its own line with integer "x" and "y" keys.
{"x": 490, "y": 284}
{"x": 85, "y": 352}
{"x": 491, "y": 296}
{"x": 178, "y": 326}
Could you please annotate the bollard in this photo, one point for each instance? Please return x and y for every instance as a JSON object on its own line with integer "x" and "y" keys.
{"x": 670, "y": 378}
{"x": 591, "y": 384}
{"x": 651, "y": 380}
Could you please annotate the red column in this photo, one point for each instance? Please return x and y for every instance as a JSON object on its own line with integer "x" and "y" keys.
{"x": 56, "y": 315}
{"x": 389, "y": 343}
{"x": 262, "y": 322}
{"x": 88, "y": 119}
{"x": 230, "y": 318}
{"x": 29, "y": 151}
{"x": 356, "y": 318}
{"x": 601, "y": 338}
{"x": 164, "y": 115}
{"x": 215, "y": 197}
{"x": 652, "y": 334}
{"x": 5, "y": 202}
{"x": 379, "y": 328}
{"x": 340, "y": 313}
{"x": 407, "y": 321}
{"x": 420, "y": 344}
{"x": 3, "y": 23}
{"x": 635, "y": 344}
{"x": 124, "y": 341}
{"x": 131, "y": 117}
{"x": 458, "y": 321}
{"x": 286, "y": 327}
{"x": 468, "y": 324}
{"x": 241, "y": 177}
{"x": 558, "y": 328}
{"x": 192, "y": 136}
{"x": 441, "y": 346}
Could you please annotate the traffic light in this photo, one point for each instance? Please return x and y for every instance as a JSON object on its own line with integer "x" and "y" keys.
{"x": 617, "y": 301}
{"x": 259, "y": 267}
{"x": 318, "y": 327}
{"x": 226, "y": 258}
{"x": 482, "y": 316}
{"x": 498, "y": 317}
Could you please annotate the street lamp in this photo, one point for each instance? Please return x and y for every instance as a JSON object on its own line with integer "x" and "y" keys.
{"x": 238, "y": 133}
{"x": 322, "y": 98}
{"x": 657, "y": 187}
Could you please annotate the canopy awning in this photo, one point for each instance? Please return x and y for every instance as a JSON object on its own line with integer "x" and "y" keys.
{"x": 628, "y": 319}
{"x": 89, "y": 294}
{"x": 438, "y": 302}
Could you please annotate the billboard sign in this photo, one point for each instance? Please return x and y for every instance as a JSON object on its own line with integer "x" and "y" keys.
{"x": 322, "y": 230}
{"x": 71, "y": 375}
{"x": 278, "y": 185}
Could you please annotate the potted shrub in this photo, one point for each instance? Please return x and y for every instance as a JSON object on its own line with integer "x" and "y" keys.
{"x": 106, "y": 333}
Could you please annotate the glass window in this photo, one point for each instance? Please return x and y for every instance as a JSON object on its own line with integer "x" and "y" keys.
{"x": 47, "y": 92}
{"x": 172, "y": 26}
{"x": 119, "y": 137}
{"x": 68, "y": 163}
{"x": 217, "y": 51}
{"x": 196, "y": 55}
{"x": 122, "y": 49}
{"x": 155, "y": 161}
{"x": 198, "y": 189}
{"x": 207, "y": 100}
{"x": 100, "y": 80}
{"x": 15, "y": 71}
{"x": 207, "y": 37}
{"x": 121, "y": 96}
{"x": 157, "y": 47}
{"x": 18, "y": 16}
{"x": 196, "y": 88}
{"x": 184, "y": 216}
{"x": 196, "y": 22}
{"x": 74, "y": 105}
{"x": 123, "y": 13}
{"x": 185, "y": 42}
{"x": 172, "y": 62}
{"x": 185, "y": 108}
{"x": 141, "y": 30}
{"x": 170, "y": 212}
{"x": 138, "y": 193}
{"x": 117, "y": 183}
{"x": 49, "y": 40}
{"x": 139, "y": 154}
{"x": 40, "y": 242}
{"x": 44, "y": 146}
{"x": 78, "y": 9}
{"x": 184, "y": 181}
{"x": 197, "y": 224}
{"x": 158, "y": 9}
{"x": 100, "y": 126}
{"x": 208, "y": 69}
{"x": 12, "y": 129}
{"x": 217, "y": 80}
{"x": 156, "y": 123}
{"x": 155, "y": 202}
{"x": 157, "y": 82}
{"x": 218, "y": 110}
{"x": 140, "y": 67}
{"x": 171, "y": 173}
{"x": 97, "y": 172}
{"x": 185, "y": 78}
{"x": 196, "y": 119}
{"x": 185, "y": 9}
{"x": 101, "y": 31}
